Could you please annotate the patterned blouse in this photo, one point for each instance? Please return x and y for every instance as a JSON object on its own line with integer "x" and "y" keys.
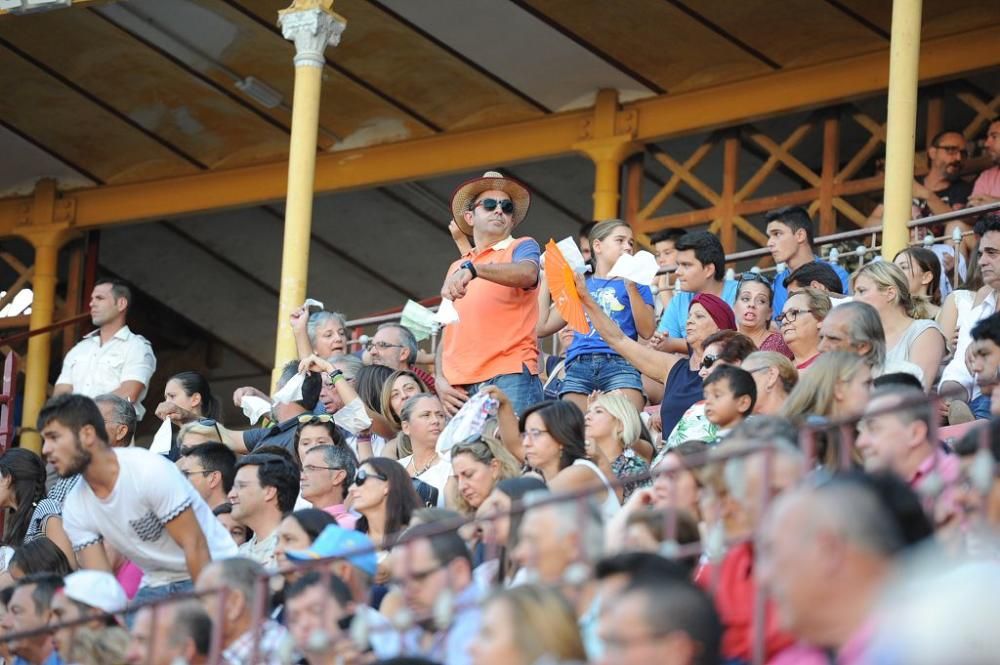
{"x": 630, "y": 464}
{"x": 50, "y": 506}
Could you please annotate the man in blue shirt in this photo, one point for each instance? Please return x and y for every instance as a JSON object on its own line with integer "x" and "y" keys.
{"x": 30, "y": 608}
{"x": 790, "y": 241}
{"x": 701, "y": 266}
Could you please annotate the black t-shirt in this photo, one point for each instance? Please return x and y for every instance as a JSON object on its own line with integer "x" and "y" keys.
{"x": 956, "y": 193}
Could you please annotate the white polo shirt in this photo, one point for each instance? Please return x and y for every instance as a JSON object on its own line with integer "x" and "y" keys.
{"x": 93, "y": 368}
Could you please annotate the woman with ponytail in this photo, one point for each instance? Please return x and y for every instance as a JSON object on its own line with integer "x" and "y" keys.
{"x": 28, "y": 512}
{"x": 188, "y": 397}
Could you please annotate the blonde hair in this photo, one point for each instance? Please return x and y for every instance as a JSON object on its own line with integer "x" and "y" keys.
{"x": 104, "y": 646}
{"x": 887, "y": 275}
{"x": 621, "y": 409}
{"x": 195, "y": 427}
{"x": 603, "y": 229}
{"x": 484, "y": 451}
{"x": 787, "y": 373}
{"x": 819, "y": 302}
{"x": 544, "y": 623}
{"x": 814, "y": 395}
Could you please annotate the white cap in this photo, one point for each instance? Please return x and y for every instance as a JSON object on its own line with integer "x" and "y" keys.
{"x": 96, "y": 588}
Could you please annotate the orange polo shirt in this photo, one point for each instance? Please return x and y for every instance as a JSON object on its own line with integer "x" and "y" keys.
{"x": 495, "y": 333}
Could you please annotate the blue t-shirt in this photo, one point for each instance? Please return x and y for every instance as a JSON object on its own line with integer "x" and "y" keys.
{"x": 611, "y": 296}
{"x": 675, "y": 316}
{"x": 781, "y": 293}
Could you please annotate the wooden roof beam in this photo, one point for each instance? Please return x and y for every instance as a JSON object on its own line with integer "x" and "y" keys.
{"x": 552, "y": 136}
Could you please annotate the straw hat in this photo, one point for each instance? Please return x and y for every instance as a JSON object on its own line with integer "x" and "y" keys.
{"x": 491, "y": 180}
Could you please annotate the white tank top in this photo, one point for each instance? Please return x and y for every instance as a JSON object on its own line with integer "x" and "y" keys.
{"x": 610, "y": 505}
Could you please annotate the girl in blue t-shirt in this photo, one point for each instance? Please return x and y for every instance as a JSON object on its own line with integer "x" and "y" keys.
{"x": 590, "y": 363}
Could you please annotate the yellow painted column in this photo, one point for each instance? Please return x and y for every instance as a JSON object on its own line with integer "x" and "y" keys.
{"x": 610, "y": 141}
{"x": 312, "y": 26}
{"x": 904, "y": 57}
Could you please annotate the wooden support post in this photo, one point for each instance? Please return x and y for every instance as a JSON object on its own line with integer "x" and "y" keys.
{"x": 633, "y": 188}
{"x": 730, "y": 173}
{"x": 831, "y": 163}
{"x": 935, "y": 118}
{"x": 74, "y": 297}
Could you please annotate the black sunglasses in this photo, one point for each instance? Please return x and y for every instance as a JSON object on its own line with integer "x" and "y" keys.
{"x": 362, "y": 476}
{"x": 755, "y": 277}
{"x": 489, "y": 205}
{"x": 708, "y": 361}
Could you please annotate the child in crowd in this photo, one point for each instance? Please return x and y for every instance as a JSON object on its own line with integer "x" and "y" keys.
{"x": 730, "y": 394}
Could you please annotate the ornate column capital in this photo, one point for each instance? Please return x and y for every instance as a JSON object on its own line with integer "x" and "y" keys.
{"x": 312, "y": 25}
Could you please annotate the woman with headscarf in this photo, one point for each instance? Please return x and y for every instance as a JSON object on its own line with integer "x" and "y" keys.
{"x": 707, "y": 314}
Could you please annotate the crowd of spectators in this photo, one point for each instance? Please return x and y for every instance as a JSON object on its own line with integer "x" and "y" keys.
{"x": 715, "y": 470}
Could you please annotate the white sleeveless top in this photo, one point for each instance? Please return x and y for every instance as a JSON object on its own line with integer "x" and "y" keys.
{"x": 610, "y": 506}
{"x": 900, "y": 352}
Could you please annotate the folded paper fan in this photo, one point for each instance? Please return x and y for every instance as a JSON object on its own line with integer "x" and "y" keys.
{"x": 559, "y": 276}
{"x": 418, "y": 320}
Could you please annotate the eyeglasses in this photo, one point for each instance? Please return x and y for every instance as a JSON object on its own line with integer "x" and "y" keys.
{"x": 489, "y": 205}
{"x": 533, "y": 434}
{"x": 210, "y": 422}
{"x": 197, "y": 472}
{"x": 309, "y": 418}
{"x": 708, "y": 361}
{"x": 953, "y": 150}
{"x": 381, "y": 346}
{"x": 362, "y": 477}
{"x": 755, "y": 277}
{"x": 791, "y": 315}
{"x": 309, "y": 468}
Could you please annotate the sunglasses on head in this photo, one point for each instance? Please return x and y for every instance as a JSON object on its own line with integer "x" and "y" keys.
{"x": 750, "y": 276}
{"x": 489, "y": 205}
{"x": 309, "y": 418}
{"x": 362, "y": 476}
{"x": 210, "y": 422}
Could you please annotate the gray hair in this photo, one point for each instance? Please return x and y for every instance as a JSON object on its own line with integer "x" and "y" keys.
{"x": 348, "y": 364}
{"x": 340, "y": 457}
{"x": 865, "y": 327}
{"x": 406, "y": 339}
{"x": 735, "y": 470}
{"x": 317, "y": 319}
{"x": 122, "y": 411}
{"x": 241, "y": 575}
{"x": 580, "y": 518}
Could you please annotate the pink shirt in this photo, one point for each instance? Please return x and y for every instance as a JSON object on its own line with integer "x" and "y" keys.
{"x": 344, "y": 517}
{"x": 853, "y": 652}
{"x": 988, "y": 183}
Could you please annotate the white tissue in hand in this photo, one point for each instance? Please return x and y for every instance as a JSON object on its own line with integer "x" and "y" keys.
{"x": 312, "y": 305}
{"x": 571, "y": 252}
{"x": 254, "y": 408}
{"x": 291, "y": 391}
{"x": 446, "y": 313}
{"x": 353, "y": 417}
{"x": 162, "y": 439}
{"x": 640, "y": 268}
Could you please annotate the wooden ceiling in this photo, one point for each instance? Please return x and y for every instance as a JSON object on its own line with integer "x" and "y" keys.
{"x": 123, "y": 92}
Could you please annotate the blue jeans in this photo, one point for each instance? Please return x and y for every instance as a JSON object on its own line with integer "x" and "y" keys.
{"x": 599, "y": 371}
{"x": 151, "y": 593}
{"x": 523, "y": 389}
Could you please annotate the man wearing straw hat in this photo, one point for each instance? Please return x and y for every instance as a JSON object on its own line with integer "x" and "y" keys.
{"x": 493, "y": 290}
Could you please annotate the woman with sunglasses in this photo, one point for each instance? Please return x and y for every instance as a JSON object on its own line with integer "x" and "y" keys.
{"x": 479, "y": 463}
{"x": 384, "y": 496}
{"x": 400, "y": 386}
{"x": 753, "y": 313}
{"x": 707, "y": 314}
{"x": 908, "y": 339}
{"x": 800, "y": 322}
{"x": 422, "y": 419}
{"x": 591, "y": 364}
{"x": 725, "y": 347}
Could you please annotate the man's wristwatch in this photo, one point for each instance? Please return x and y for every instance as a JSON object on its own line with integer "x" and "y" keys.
{"x": 333, "y": 375}
{"x": 471, "y": 267}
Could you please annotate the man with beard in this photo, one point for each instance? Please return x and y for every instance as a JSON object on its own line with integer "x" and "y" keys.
{"x": 111, "y": 359}
{"x": 136, "y": 500}
{"x": 987, "y": 186}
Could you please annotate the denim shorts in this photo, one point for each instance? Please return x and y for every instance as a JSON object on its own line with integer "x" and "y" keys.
{"x": 599, "y": 371}
{"x": 523, "y": 389}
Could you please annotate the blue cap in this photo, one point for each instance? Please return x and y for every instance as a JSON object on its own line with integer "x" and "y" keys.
{"x": 334, "y": 542}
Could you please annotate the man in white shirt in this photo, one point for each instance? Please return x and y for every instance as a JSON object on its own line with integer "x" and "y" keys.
{"x": 134, "y": 499}
{"x": 264, "y": 491}
{"x": 111, "y": 359}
